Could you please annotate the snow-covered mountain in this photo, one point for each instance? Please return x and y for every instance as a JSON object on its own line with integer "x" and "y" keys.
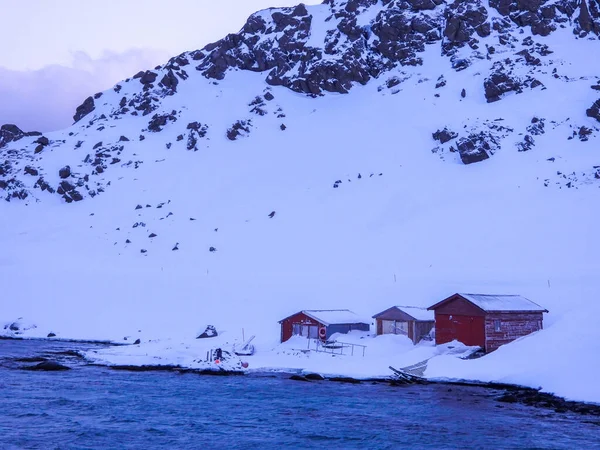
{"x": 354, "y": 154}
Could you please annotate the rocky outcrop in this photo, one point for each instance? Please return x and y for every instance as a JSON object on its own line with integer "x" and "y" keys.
{"x": 476, "y": 147}
{"x": 84, "y": 109}
{"x": 239, "y": 128}
{"x": 12, "y": 133}
{"x": 594, "y": 110}
{"x": 444, "y": 135}
{"x": 588, "y": 20}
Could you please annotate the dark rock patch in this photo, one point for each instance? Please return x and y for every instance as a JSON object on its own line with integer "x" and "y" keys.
{"x": 159, "y": 121}
{"x": 299, "y": 378}
{"x": 314, "y": 377}
{"x": 239, "y": 128}
{"x": 209, "y": 332}
{"x": 48, "y": 366}
{"x": 594, "y": 110}
{"x": 30, "y": 171}
{"x": 444, "y": 135}
{"x": 527, "y": 144}
{"x": 84, "y": 109}
{"x": 65, "y": 172}
{"x": 476, "y": 147}
{"x": 344, "y": 380}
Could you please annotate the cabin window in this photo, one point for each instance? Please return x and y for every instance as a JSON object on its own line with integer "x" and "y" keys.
{"x": 496, "y": 325}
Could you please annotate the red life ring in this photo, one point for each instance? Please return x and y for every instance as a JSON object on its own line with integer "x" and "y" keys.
{"x": 322, "y": 332}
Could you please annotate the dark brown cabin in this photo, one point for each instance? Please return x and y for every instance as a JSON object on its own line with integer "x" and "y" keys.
{"x": 411, "y": 321}
{"x": 487, "y": 321}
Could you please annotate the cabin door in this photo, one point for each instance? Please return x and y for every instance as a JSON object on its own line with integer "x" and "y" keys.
{"x": 307, "y": 331}
{"x": 469, "y": 330}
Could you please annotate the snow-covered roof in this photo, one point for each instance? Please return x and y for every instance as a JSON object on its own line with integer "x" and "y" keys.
{"x": 418, "y": 313}
{"x": 490, "y": 302}
{"x": 333, "y": 316}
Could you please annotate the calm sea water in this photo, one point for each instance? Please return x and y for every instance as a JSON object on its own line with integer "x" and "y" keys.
{"x": 96, "y": 408}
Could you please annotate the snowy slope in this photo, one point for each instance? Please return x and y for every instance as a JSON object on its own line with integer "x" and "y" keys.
{"x": 370, "y": 210}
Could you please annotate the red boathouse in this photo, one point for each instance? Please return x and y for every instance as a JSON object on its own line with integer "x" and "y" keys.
{"x": 487, "y": 321}
{"x": 320, "y": 324}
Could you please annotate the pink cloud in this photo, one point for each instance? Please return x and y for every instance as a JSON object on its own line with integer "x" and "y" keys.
{"x": 46, "y": 99}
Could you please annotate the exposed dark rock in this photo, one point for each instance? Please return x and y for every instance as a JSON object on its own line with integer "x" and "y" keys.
{"x": 196, "y": 132}
{"x": 345, "y": 380}
{"x": 527, "y": 144}
{"x": 535, "y": 398}
{"x": 137, "y": 342}
{"x": 51, "y": 335}
{"x": 537, "y": 126}
{"x": 475, "y": 148}
{"x": 594, "y": 110}
{"x": 148, "y": 77}
{"x": 159, "y": 121}
{"x": 272, "y": 213}
{"x": 48, "y": 366}
{"x": 589, "y": 16}
{"x": 240, "y": 128}
{"x": 444, "y": 135}
{"x": 42, "y": 140}
{"x": 269, "y": 96}
{"x": 30, "y": 171}
{"x": 65, "y": 172}
{"x": 84, "y": 109}
{"x": 123, "y": 139}
{"x": 212, "y": 249}
{"x": 584, "y": 133}
{"x": 314, "y": 376}
{"x": 170, "y": 82}
{"x": 463, "y": 19}
{"x": 299, "y": 378}
{"x": 12, "y": 133}
{"x": 209, "y": 332}
{"x": 499, "y": 83}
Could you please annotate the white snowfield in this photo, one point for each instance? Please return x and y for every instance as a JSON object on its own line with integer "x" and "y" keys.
{"x": 412, "y": 229}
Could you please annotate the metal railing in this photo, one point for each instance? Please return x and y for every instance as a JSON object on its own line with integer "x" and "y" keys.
{"x": 337, "y": 347}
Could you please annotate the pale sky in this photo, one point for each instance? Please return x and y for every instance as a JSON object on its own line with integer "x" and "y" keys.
{"x": 55, "y": 53}
{"x": 36, "y": 33}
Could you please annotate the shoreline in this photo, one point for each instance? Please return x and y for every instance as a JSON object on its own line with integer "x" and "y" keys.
{"x": 512, "y": 393}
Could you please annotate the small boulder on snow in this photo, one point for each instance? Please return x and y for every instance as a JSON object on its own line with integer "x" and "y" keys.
{"x": 65, "y": 172}
{"x": 209, "y": 332}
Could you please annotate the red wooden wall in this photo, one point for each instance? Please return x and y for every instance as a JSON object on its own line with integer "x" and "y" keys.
{"x": 470, "y": 330}
{"x": 286, "y": 325}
